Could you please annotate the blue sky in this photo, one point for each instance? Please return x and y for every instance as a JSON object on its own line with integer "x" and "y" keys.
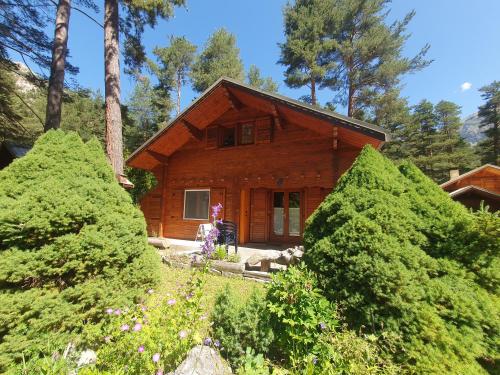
{"x": 464, "y": 36}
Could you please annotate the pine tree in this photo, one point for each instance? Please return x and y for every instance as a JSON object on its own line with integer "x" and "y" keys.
{"x": 367, "y": 53}
{"x": 303, "y": 52}
{"x": 451, "y": 151}
{"x": 175, "y": 65}
{"x": 256, "y": 80}
{"x": 489, "y": 113}
{"x": 421, "y": 136}
{"x": 221, "y": 57}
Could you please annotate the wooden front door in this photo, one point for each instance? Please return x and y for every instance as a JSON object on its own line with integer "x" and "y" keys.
{"x": 286, "y": 220}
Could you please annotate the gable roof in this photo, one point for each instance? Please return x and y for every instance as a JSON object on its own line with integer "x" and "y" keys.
{"x": 493, "y": 168}
{"x": 238, "y": 91}
{"x": 475, "y": 190}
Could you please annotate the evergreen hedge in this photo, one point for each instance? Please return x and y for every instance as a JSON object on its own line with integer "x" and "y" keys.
{"x": 71, "y": 245}
{"x": 388, "y": 246}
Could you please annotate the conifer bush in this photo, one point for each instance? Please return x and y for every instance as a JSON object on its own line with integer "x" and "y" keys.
{"x": 71, "y": 245}
{"x": 387, "y": 245}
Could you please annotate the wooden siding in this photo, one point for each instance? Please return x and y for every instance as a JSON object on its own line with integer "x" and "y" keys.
{"x": 487, "y": 178}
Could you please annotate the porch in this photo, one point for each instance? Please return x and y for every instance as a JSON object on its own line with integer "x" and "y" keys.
{"x": 186, "y": 247}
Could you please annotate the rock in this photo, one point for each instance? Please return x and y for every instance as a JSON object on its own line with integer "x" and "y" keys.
{"x": 87, "y": 357}
{"x": 285, "y": 257}
{"x": 203, "y": 360}
{"x": 160, "y": 243}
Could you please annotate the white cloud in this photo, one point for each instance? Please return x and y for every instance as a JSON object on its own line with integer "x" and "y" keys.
{"x": 466, "y": 86}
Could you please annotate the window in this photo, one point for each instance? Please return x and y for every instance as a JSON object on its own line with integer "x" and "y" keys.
{"x": 196, "y": 204}
{"x": 247, "y": 134}
{"x": 228, "y": 138}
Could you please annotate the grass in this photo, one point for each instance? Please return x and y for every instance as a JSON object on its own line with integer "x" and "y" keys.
{"x": 173, "y": 278}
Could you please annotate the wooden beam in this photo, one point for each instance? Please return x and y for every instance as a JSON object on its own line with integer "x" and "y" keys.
{"x": 163, "y": 159}
{"x": 335, "y": 137}
{"x": 193, "y": 130}
{"x": 233, "y": 100}
{"x": 276, "y": 117}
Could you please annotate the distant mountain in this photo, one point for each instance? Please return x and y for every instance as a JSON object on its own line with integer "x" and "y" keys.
{"x": 470, "y": 129}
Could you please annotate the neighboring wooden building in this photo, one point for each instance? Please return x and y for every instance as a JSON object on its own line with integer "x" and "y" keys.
{"x": 268, "y": 159}
{"x": 10, "y": 151}
{"x": 479, "y": 185}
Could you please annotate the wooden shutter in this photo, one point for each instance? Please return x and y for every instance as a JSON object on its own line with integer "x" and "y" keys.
{"x": 258, "y": 215}
{"x": 263, "y": 128}
{"x": 212, "y": 137}
{"x": 218, "y": 195}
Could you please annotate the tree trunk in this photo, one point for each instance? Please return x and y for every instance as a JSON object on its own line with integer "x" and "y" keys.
{"x": 179, "y": 82}
{"x": 56, "y": 80}
{"x": 114, "y": 142}
{"x": 350, "y": 102}
{"x": 313, "y": 91}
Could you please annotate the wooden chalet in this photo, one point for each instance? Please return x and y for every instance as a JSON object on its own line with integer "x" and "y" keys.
{"x": 479, "y": 185}
{"x": 268, "y": 159}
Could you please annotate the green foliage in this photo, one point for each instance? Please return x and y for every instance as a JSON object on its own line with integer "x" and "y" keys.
{"x": 298, "y": 315}
{"x": 344, "y": 352}
{"x": 254, "y": 79}
{"x": 72, "y": 244}
{"x": 221, "y": 57}
{"x": 387, "y": 244}
{"x": 489, "y": 112}
{"x": 241, "y": 327}
{"x": 429, "y": 136}
{"x": 305, "y": 49}
{"x": 220, "y": 253}
{"x": 168, "y": 325}
{"x": 253, "y": 364}
{"x": 174, "y": 65}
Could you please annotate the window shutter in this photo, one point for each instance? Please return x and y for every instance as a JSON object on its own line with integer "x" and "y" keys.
{"x": 264, "y": 130}
{"x": 212, "y": 137}
{"x": 218, "y": 195}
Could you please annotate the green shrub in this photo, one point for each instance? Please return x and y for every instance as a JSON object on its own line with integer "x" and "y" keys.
{"x": 72, "y": 244}
{"x": 240, "y": 327}
{"x": 299, "y": 315}
{"x": 387, "y": 246}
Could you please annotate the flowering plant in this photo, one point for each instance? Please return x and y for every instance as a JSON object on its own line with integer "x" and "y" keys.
{"x": 153, "y": 337}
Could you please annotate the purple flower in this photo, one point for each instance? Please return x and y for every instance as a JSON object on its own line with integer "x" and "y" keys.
{"x": 156, "y": 357}
{"x": 207, "y": 341}
{"x": 118, "y": 312}
{"x": 182, "y": 334}
{"x": 159, "y": 372}
{"x": 314, "y": 360}
{"x": 137, "y": 327}
{"x": 134, "y": 318}
{"x": 216, "y": 343}
{"x": 107, "y": 339}
{"x": 189, "y": 296}
{"x": 141, "y": 349}
{"x": 109, "y": 311}
{"x": 144, "y": 308}
{"x": 125, "y": 327}
{"x": 151, "y": 291}
{"x": 171, "y": 301}
{"x": 216, "y": 210}
{"x": 322, "y": 326}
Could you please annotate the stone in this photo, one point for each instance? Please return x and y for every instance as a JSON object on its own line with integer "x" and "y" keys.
{"x": 87, "y": 357}
{"x": 203, "y": 360}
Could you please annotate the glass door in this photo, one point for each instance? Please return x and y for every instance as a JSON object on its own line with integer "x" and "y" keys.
{"x": 286, "y": 221}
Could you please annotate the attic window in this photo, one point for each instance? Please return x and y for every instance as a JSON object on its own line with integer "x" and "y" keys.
{"x": 247, "y": 134}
